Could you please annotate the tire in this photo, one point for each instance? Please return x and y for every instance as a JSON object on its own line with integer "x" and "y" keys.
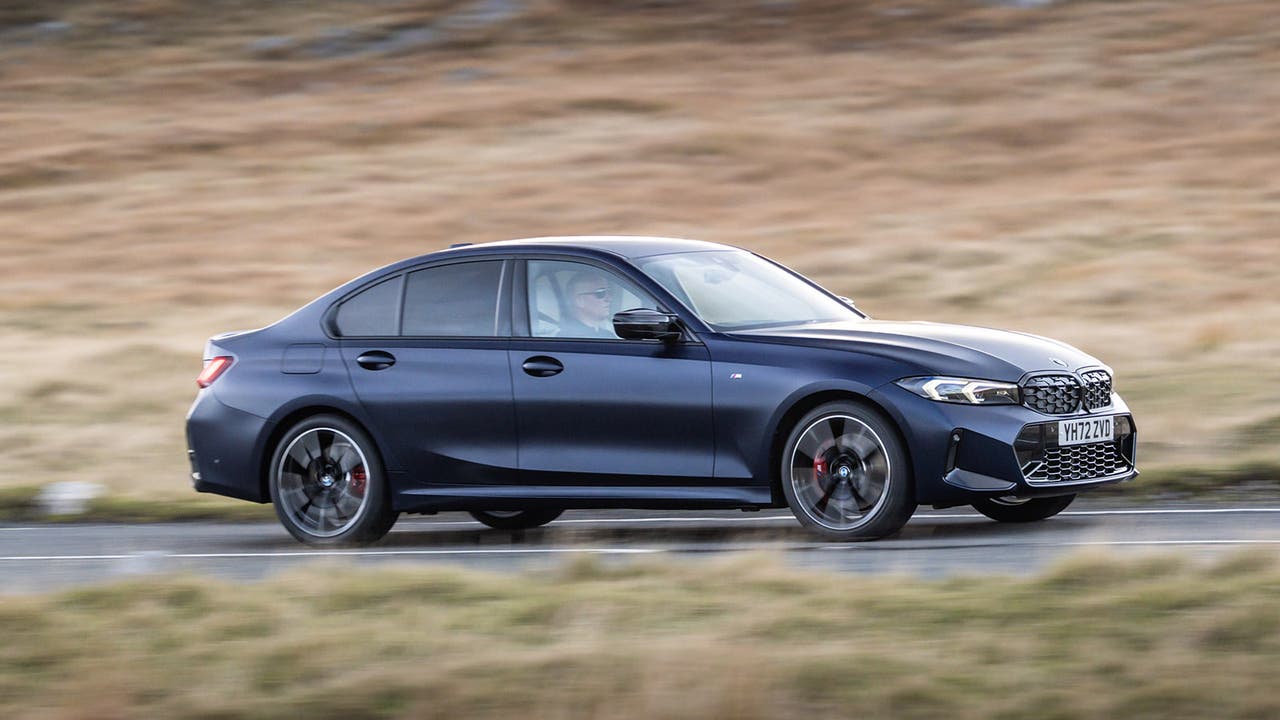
{"x": 515, "y": 519}
{"x": 845, "y": 474}
{"x": 1012, "y": 510}
{"x": 328, "y": 484}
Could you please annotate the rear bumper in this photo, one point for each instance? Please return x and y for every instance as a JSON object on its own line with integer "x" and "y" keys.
{"x": 217, "y": 438}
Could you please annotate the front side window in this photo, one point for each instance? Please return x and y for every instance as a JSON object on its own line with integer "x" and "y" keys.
{"x": 577, "y": 300}
{"x": 736, "y": 290}
{"x": 374, "y": 312}
{"x": 459, "y": 300}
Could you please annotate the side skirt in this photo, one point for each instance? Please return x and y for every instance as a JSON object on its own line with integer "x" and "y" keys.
{"x": 511, "y": 497}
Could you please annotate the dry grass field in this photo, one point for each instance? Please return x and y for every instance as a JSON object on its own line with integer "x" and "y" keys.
{"x": 1149, "y": 639}
{"x": 1107, "y": 173}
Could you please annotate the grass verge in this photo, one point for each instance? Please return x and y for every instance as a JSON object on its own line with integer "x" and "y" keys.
{"x": 22, "y": 504}
{"x": 1256, "y": 480}
{"x": 745, "y": 638}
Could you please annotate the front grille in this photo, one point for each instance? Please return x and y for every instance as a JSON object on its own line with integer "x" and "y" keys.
{"x": 1097, "y": 389}
{"x": 1052, "y": 394}
{"x": 1078, "y": 462}
{"x": 1064, "y": 394}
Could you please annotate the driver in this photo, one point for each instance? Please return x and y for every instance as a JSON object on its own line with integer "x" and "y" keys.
{"x": 589, "y": 304}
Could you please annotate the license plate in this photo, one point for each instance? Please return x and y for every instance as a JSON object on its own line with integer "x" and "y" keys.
{"x": 1088, "y": 430}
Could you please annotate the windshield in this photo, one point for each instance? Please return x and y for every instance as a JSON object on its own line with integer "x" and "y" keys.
{"x": 735, "y": 290}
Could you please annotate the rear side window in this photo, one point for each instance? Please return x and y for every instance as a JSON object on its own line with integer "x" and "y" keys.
{"x": 459, "y": 300}
{"x": 372, "y": 313}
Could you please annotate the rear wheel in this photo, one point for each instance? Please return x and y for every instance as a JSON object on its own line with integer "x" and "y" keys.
{"x": 845, "y": 474}
{"x": 515, "y": 519}
{"x": 328, "y": 485}
{"x": 1020, "y": 510}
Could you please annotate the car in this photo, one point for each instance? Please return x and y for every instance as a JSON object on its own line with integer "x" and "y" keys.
{"x": 514, "y": 380}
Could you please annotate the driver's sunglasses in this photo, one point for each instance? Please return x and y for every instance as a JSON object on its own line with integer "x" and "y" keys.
{"x": 601, "y": 294}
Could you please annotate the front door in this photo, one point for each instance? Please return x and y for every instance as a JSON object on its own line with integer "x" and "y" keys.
{"x": 594, "y": 409}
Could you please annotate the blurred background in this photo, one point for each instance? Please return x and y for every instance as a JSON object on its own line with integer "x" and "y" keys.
{"x": 1106, "y": 173}
{"x": 1102, "y": 172}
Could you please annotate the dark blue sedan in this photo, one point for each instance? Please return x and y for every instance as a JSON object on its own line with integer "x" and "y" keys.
{"x": 514, "y": 380}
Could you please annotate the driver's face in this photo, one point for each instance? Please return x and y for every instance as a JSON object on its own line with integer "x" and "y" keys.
{"x": 591, "y": 297}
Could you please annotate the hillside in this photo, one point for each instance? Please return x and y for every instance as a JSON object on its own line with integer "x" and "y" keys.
{"x": 1107, "y": 173}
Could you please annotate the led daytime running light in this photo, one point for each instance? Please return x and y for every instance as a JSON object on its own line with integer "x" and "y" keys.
{"x": 964, "y": 391}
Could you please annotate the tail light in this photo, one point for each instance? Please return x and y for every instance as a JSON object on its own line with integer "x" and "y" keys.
{"x": 213, "y": 369}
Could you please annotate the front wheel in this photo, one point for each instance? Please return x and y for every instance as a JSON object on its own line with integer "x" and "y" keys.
{"x": 1021, "y": 510}
{"x": 515, "y": 519}
{"x": 328, "y": 485}
{"x": 845, "y": 474}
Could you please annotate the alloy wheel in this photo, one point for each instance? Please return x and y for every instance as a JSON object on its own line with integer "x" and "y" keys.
{"x": 323, "y": 480}
{"x": 840, "y": 472}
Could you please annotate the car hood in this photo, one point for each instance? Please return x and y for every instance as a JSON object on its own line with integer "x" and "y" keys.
{"x": 939, "y": 348}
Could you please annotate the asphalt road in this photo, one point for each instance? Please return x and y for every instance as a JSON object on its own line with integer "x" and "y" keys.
{"x": 37, "y": 557}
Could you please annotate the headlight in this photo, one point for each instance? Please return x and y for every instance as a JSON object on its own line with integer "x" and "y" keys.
{"x": 963, "y": 390}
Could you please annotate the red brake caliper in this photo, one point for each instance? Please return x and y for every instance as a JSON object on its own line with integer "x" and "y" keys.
{"x": 819, "y": 468}
{"x": 358, "y": 480}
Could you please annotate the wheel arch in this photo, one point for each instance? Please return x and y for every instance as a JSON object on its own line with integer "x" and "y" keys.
{"x": 800, "y": 407}
{"x": 292, "y": 417}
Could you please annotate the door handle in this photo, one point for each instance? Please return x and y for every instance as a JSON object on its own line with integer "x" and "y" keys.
{"x": 542, "y": 366}
{"x": 376, "y": 360}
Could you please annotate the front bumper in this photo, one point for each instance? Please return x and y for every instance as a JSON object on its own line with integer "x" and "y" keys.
{"x": 961, "y": 452}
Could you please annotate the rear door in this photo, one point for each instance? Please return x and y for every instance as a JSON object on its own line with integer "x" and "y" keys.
{"x": 427, "y": 355}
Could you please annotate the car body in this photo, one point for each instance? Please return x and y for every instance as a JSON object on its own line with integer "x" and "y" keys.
{"x": 463, "y": 380}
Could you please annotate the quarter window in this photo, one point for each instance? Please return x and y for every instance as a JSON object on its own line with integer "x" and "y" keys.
{"x": 459, "y": 300}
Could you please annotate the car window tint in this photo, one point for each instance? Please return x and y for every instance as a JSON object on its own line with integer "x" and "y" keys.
{"x": 577, "y": 300}
{"x": 373, "y": 312}
{"x": 453, "y": 300}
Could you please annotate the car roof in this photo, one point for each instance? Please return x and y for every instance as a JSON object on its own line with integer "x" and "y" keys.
{"x": 626, "y": 246}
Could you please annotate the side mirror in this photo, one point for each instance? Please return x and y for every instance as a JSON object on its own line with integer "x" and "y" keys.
{"x": 646, "y": 324}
